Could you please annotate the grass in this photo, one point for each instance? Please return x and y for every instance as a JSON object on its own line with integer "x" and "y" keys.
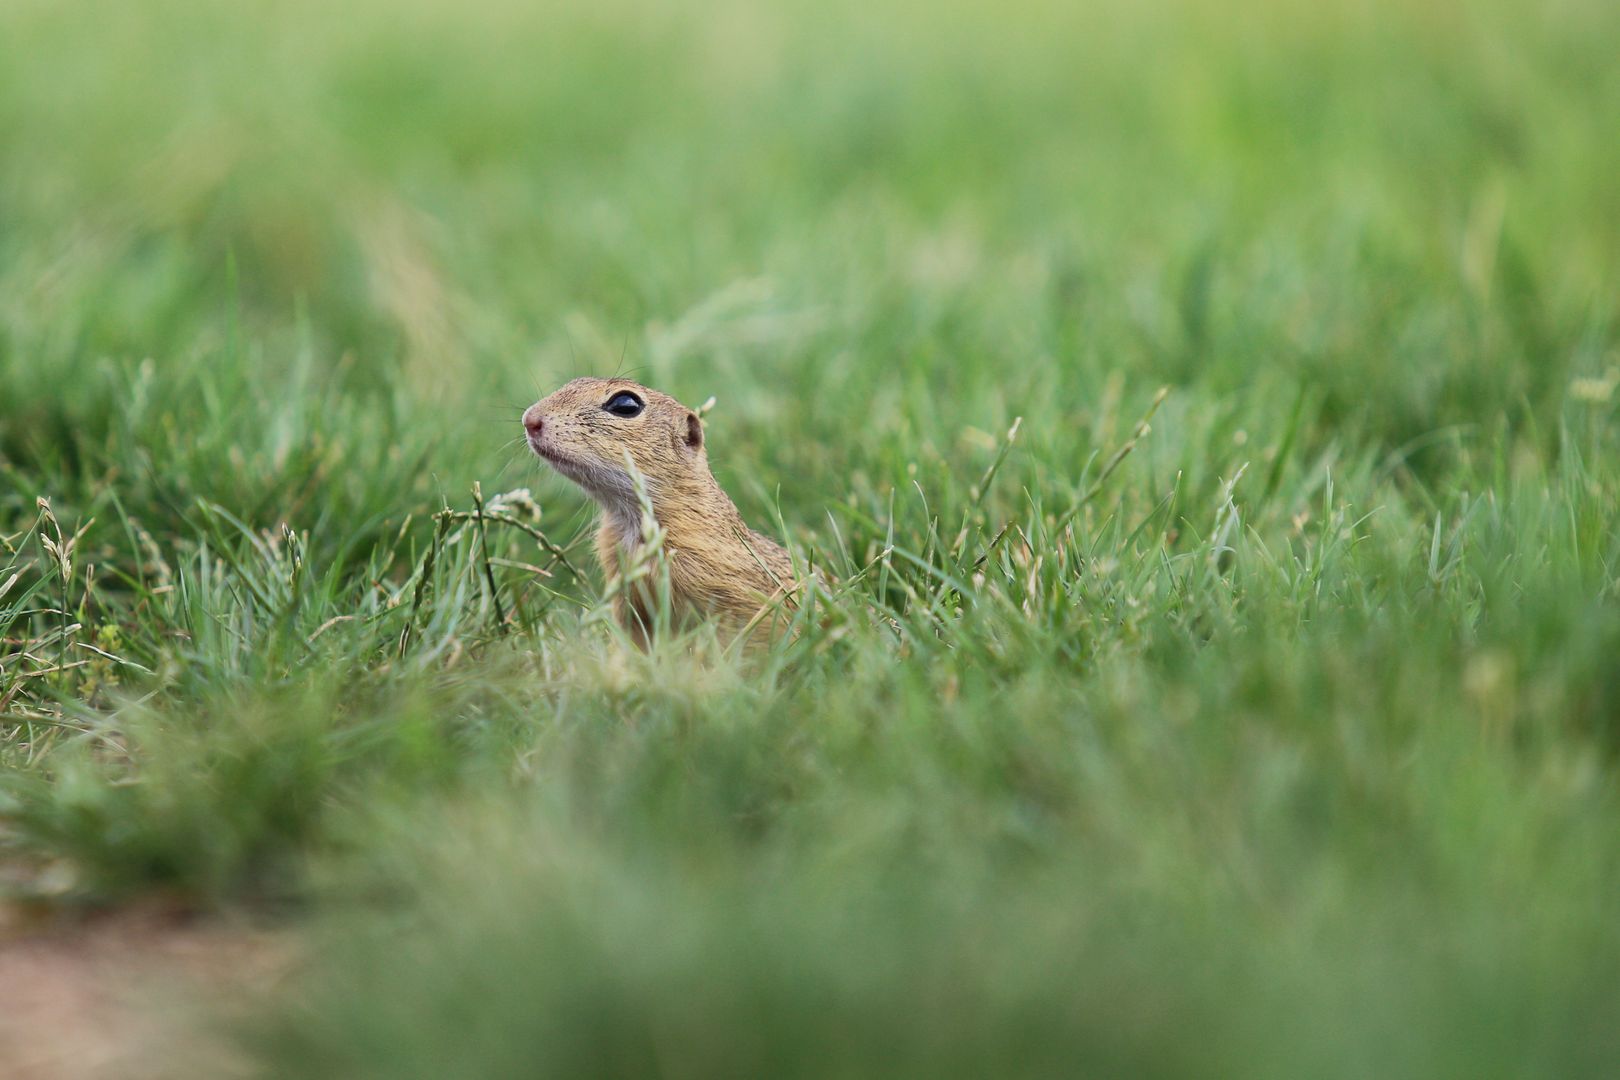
{"x": 1276, "y": 735}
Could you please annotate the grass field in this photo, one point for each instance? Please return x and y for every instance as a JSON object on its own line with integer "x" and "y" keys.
{"x": 1278, "y": 736}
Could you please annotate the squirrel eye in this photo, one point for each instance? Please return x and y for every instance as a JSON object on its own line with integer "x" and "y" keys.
{"x": 624, "y": 404}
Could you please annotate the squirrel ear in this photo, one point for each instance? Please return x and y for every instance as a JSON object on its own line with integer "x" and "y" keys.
{"x": 694, "y": 431}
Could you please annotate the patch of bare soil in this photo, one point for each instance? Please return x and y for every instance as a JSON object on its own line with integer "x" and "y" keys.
{"x": 118, "y": 995}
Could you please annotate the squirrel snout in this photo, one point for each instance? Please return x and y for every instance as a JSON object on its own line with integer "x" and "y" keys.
{"x": 533, "y": 421}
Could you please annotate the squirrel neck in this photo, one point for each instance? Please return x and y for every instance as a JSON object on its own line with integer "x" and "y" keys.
{"x": 691, "y": 509}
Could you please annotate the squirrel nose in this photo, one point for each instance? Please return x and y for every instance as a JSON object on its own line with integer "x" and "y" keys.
{"x": 533, "y": 421}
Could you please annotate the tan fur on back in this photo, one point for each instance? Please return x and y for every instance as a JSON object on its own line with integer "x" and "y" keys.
{"x": 719, "y": 569}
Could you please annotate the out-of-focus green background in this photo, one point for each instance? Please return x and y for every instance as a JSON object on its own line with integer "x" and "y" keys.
{"x": 1283, "y": 744}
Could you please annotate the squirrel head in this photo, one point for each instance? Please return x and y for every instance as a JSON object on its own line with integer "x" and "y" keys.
{"x": 594, "y": 430}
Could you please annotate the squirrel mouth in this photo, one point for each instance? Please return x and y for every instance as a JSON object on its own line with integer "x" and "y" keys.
{"x": 570, "y": 467}
{"x": 541, "y": 450}
{"x": 601, "y": 483}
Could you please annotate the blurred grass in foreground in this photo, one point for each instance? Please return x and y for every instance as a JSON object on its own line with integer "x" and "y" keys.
{"x": 1287, "y": 749}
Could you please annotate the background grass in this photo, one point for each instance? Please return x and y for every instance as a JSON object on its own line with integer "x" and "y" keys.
{"x": 1287, "y": 747}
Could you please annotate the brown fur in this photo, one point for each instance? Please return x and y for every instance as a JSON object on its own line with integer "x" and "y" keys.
{"x": 719, "y": 568}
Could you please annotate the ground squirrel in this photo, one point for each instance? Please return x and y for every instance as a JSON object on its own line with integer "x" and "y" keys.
{"x": 595, "y": 432}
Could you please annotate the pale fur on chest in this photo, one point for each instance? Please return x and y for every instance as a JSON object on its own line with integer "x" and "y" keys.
{"x": 717, "y": 567}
